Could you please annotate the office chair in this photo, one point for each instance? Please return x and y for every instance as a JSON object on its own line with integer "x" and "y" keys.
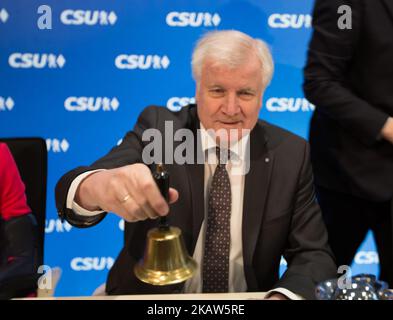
{"x": 30, "y": 155}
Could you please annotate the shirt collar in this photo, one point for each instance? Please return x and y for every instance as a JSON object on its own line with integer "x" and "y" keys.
{"x": 238, "y": 148}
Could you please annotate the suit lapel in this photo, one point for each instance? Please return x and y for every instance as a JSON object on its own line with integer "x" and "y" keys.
{"x": 196, "y": 174}
{"x": 389, "y": 6}
{"x": 196, "y": 177}
{"x": 255, "y": 192}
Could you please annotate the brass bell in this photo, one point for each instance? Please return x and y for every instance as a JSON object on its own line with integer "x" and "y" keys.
{"x": 165, "y": 259}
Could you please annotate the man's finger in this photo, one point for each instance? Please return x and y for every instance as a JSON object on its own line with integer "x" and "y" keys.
{"x": 149, "y": 189}
{"x": 173, "y": 195}
{"x": 148, "y": 210}
{"x": 134, "y": 209}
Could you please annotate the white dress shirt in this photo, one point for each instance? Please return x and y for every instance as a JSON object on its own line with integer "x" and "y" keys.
{"x": 236, "y": 165}
{"x": 237, "y": 280}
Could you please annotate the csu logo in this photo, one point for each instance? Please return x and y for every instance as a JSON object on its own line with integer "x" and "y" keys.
{"x": 91, "y": 104}
{"x": 192, "y": 19}
{"x": 176, "y": 103}
{"x": 366, "y": 257}
{"x": 121, "y": 224}
{"x": 36, "y": 60}
{"x": 3, "y": 15}
{"x": 88, "y": 17}
{"x": 91, "y": 263}
{"x": 55, "y": 225}
{"x": 295, "y": 21}
{"x": 143, "y": 62}
{"x": 289, "y": 104}
{"x": 57, "y": 145}
{"x": 6, "y": 104}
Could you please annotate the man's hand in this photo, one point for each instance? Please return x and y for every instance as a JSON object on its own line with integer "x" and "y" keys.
{"x": 387, "y": 130}
{"x": 129, "y": 191}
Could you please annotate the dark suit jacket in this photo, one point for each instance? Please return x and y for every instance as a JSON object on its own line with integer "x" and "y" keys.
{"x": 280, "y": 215}
{"x": 349, "y": 77}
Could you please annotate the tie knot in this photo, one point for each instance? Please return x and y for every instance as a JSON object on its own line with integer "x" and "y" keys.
{"x": 223, "y": 155}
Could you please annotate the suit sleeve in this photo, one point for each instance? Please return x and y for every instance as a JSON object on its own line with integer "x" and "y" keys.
{"x": 326, "y": 85}
{"x": 307, "y": 253}
{"x": 128, "y": 152}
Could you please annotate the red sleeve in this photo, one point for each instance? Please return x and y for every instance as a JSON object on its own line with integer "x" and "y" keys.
{"x": 12, "y": 190}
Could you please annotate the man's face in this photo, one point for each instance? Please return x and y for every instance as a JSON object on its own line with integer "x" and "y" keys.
{"x": 230, "y": 98}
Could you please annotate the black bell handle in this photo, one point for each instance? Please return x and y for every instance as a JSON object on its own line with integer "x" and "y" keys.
{"x": 161, "y": 177}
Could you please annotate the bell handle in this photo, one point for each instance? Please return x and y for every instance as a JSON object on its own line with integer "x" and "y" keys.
{"x": 161, "y": 177}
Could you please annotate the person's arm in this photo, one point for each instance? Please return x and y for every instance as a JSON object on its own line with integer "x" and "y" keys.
{"x": 307, "y": 253}
{"x": 125, "y": 177}
{"x": 326, "y": 85}
{"x": 13, "y": 201}
{"x": 18, "y": 276}
{"x": 128, "y": 152}
{"x": 18, "y": 232}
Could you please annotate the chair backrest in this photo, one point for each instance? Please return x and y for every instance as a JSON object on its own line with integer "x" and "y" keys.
{"x": 31, "y": 157}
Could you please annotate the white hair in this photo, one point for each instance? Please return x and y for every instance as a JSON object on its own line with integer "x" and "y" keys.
{"x": 231, "y": 48}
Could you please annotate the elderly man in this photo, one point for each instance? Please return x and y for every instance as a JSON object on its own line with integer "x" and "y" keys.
{"x": 263, "y": 211}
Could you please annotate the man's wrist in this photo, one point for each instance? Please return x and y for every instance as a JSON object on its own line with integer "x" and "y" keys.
{"x": 83, "y": 195}
{"x": 387, "y": 130}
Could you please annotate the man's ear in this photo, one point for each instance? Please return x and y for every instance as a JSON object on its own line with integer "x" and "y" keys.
{"x": 261, "y": 102}
{"x": 196, "y": 93}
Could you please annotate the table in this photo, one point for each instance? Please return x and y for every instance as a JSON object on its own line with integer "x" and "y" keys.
{"x": 185, "y": 296}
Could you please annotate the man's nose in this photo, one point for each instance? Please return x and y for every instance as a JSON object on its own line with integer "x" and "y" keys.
{"x": 231, "y": 106}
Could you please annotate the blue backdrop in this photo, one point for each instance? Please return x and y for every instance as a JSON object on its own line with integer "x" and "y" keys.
{"x": 81, "y": 84}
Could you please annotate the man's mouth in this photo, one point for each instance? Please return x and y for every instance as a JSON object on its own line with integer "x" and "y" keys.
{"x": 230, "y": 122}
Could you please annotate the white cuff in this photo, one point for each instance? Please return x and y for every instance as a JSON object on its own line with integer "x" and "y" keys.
{"x": 289, "y": 294}
{"x": 71, "y": 204}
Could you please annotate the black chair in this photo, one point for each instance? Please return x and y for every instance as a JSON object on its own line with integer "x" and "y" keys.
{"x": 31, "y": 157}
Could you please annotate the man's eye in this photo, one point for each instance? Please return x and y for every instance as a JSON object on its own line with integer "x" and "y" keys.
{"x": 246, "y": 94}
{"x": 216, "y": 91}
